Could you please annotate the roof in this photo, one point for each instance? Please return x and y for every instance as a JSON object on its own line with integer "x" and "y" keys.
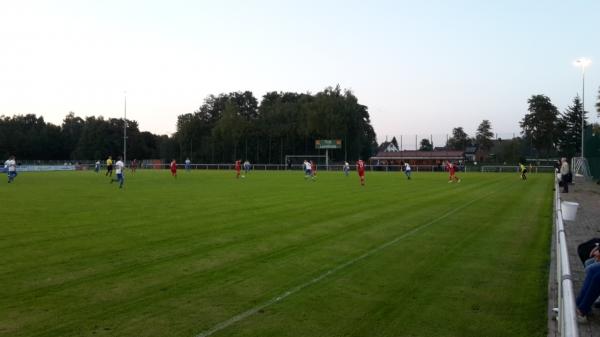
{"x": 385, "y": 147}
{"x": 442, "y": 155}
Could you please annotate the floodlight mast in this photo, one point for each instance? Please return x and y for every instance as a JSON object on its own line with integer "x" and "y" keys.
{"x": 125, "y": 129}
{"x": 582, "y": 62}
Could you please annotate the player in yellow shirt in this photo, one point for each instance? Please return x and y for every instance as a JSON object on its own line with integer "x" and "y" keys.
{"x": 109, "y": 167}
{"x": 523, "y": 170}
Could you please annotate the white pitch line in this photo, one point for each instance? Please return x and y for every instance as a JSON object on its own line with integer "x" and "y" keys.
{"x": 252, "y": 311}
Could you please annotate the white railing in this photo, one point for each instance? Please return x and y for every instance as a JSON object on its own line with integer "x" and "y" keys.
{"x": 332, "y": 167}
{"x": 296, "y": 167}
{"x": 515, "y": 168}
{"x": 567, "y": 319}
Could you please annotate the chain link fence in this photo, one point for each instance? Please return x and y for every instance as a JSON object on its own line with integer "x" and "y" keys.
{"x": 592, "y": 150}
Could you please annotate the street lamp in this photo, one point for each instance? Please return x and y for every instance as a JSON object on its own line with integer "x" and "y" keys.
{"x": 582, "y": 62}
{"x": 125, "y": 128}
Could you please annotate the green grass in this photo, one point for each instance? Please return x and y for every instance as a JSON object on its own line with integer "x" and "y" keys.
{"x": 166, "y": 257}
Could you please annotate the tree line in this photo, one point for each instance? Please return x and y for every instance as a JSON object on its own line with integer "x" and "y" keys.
{"x": 236, "y": 125}
{"x": 31, "y": 138}
{"x": 545, "y": 133}
{"x": 224, "y": 128}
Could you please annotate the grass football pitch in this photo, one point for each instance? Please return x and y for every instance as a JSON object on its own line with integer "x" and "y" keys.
{"x": 274, "y": 255}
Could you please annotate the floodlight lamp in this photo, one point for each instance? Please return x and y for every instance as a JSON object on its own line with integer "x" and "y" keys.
{"x": 582, "y": 62}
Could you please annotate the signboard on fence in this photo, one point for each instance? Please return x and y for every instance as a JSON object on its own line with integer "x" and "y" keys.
{"x": 324, "y": 144}
{"x": 45, "y": 168}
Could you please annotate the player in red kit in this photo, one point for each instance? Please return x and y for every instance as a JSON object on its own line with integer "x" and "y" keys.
{"x": 452, "y": 171}
{"x": 313, "y": 169}
{"x": 360, "y": 168}
{"x": 238, "y": 168}
{"x": 134, "y": 165}
{"x": 173, "y": 167}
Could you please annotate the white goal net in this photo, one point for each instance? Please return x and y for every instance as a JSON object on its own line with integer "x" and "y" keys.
{"x": 580, "y": 167}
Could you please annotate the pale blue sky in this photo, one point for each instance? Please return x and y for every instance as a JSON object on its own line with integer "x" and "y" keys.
{"x": 420, "y": 66}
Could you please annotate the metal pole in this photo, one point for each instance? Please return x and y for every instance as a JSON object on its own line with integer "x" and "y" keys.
{"x": 346, "y": 148}
{"x": 125, "y": 130}
{"x": 583, "y": 108}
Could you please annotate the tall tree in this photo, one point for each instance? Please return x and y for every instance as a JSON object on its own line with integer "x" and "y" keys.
{"x": 72, "y": 128}
{"x": 508, "y": 151}
{"x": 283, "y": 123}
{"x": 196, "y": 134}
{"x": 425, "y": 145}
{"x": 29, "y": 137}
{"x": 229, "y": 130}
{"x": 569, "y": 129}
{"x": 539, "y": 125}
{"x": 459, "y": 140}
{"x": 484, "y": 135}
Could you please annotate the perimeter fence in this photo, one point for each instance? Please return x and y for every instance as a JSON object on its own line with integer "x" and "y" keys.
{"x": 592, "y": 150}
{"x": 567, "y": 317}
{"x": 153, "y": 165}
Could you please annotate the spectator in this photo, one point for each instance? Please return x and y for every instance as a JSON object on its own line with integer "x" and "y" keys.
{"x": 589, "y": 291}
{"x": 591, "y": 288}
{"x": 594, "y": 258}
{"x": 564, "y": 175}
{"x": 557, "y": 166}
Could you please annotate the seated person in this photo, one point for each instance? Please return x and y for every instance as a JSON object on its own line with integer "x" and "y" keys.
{"x": 594, "y": 257}
{"x": 589, "y": 291}
{"x": 591, "y": 286}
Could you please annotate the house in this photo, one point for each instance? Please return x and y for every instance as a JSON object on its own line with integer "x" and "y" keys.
{"x": 391, "y": 146}
{"x": 471, "y": 153}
